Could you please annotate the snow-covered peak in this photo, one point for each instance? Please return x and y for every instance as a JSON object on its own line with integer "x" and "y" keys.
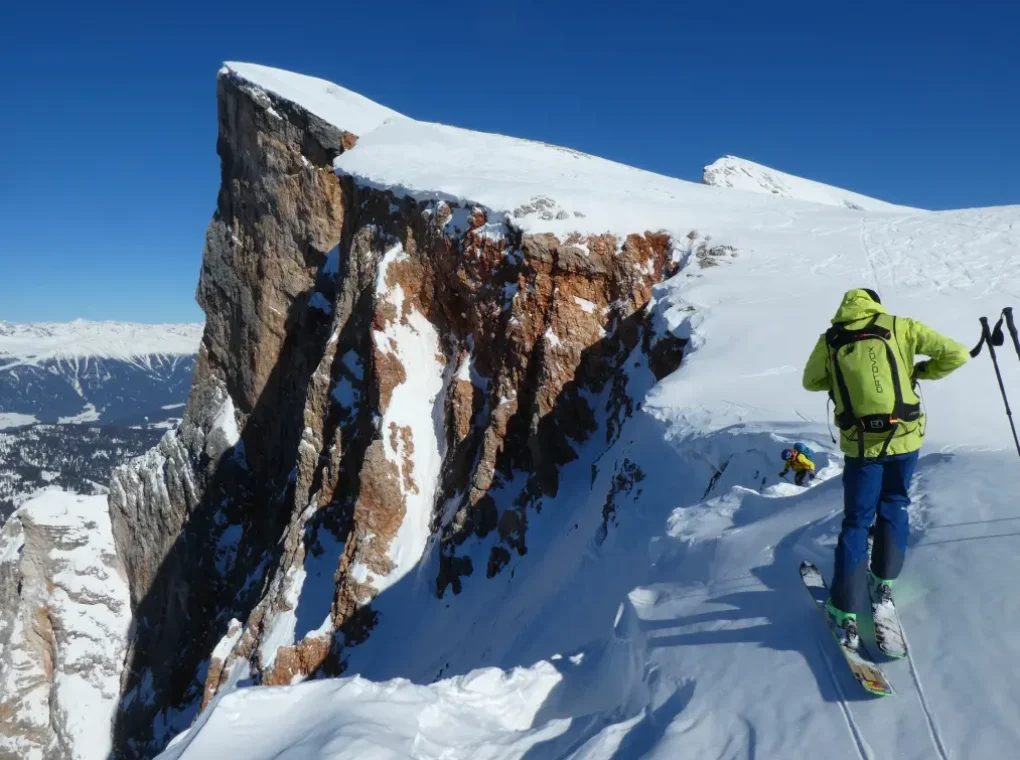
{"x": 32, "y": 343}
{"x": 342, "y": 108}
{"x": 741, "y": 174}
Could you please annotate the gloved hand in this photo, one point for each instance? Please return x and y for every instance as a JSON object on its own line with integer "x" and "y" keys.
{"x": 919, "y": 369}
{"x": 782, "y": 474}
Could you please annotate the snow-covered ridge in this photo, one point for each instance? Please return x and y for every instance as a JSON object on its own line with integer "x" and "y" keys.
{"x": 32, "y": 343}
{"x": 544, "y": 188}
{"x": 344, "y": 109}
{"x": 741, "y": 174}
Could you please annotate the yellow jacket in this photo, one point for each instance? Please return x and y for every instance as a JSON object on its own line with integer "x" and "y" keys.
{"x": 799, "y": 463}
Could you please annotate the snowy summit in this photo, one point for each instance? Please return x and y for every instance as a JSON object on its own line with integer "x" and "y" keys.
{"x": 741, "y": 174}
{"x": 341, "y": 107}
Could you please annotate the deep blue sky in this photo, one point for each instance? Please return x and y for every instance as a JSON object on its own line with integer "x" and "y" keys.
{"x": 108, "y": 172}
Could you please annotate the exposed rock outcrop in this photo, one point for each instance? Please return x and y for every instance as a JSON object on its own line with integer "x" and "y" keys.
{"x": 381, "y": 377}
{"x": 199, "y": 520}
{"x": 65, "y": 620}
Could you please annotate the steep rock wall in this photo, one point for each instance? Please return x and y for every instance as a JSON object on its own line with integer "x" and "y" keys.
{"x": 380, "y": 378}
{"x": 198, "y": 520}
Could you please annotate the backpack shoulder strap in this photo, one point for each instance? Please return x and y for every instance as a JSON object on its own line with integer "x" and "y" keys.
{"x": 897, "y": 364}
{"x": 838, "y": 336}
{"x": 898, "y": 345}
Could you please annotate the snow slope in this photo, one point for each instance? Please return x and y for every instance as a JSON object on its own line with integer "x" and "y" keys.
{"x": 33, "y": 343}
{"x": 726, "y": 657}
{"x": 741, "y": 174}
{"x": 344, "y": 109}
{"x": 677, "y": 626}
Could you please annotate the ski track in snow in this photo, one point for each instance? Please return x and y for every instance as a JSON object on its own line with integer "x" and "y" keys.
{"x": 933, "y": 726}
{"x": 868, "y": 255}
{"x": 916, "y": 510}
{"x": 851, "y": 725}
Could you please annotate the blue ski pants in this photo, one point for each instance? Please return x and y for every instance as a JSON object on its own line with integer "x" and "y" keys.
{"x": 873, "y": 486}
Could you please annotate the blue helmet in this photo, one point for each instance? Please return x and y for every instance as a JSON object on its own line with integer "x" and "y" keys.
{"x": 787, "y": 455}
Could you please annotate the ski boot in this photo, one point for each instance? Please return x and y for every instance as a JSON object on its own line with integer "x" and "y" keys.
{"x": 880, "y": 590}
{"x": 847, "y": 622}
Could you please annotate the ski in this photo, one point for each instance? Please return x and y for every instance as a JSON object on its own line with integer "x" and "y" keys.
{"x": 868, "y": 674}
{"x": 888, "y": 631}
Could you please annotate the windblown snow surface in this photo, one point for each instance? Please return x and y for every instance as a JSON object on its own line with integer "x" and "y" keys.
{"x": 681, "y": 629}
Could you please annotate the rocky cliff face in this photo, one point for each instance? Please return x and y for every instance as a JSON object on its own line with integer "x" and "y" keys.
{"x": 382, "y": 378}
{"x": 66, "y": 617}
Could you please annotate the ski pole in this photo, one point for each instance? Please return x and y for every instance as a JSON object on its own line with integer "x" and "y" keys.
{"x": 991, "y": 337}
{"x": 986, "y": 337}
{"x": 1008, "y": 314}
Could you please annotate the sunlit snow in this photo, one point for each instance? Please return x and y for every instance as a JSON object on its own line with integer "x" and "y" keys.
{"x": 675, "y": 625}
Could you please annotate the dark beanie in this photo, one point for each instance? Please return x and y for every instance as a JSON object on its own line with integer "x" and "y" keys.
{"x": 873, "y": 294}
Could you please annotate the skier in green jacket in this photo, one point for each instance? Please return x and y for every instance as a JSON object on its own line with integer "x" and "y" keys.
{"x": 865, "y": 361}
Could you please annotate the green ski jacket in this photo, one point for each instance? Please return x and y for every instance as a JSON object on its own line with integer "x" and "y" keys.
{"x": 911, "y": 338}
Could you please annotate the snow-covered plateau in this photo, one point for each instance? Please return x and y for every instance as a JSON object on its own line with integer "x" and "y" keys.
{"x": 31, "y": 343}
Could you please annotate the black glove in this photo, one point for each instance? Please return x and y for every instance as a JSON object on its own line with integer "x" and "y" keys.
{"x": 920, "y": 368}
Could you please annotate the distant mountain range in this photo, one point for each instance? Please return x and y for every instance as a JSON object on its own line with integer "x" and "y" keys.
{"x": 106, "y": 373}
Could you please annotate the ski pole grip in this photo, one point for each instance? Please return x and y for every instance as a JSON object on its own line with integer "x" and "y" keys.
{"x": 1008, "y": 314}
{"x": 986, "y": 333}
{"x": 974, "y": 352}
